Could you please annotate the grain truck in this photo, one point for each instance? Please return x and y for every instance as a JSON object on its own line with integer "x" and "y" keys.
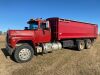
{"x": 44, "y": 36}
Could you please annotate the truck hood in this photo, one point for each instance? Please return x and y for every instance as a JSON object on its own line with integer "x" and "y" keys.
{"x": 16, "y": 33}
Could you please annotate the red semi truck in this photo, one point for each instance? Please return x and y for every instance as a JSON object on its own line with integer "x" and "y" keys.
{"x": 43, "y": 36}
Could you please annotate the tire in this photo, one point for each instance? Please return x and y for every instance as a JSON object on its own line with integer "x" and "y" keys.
{"x": 93, "y": 41}
{"x": 88, "y": 44}
{"x": 80, "y": 45}
{"x": 23, "y": 53}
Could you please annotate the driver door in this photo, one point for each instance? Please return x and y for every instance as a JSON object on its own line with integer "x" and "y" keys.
{"x": 43, "y": 33}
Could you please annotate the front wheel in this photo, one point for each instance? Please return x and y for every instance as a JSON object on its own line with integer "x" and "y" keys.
{"x": 23, "y": 53}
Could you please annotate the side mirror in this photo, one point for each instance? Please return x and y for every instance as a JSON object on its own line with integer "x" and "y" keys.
{"x": 26, "y": 28}
{"x": 47, "y": 25}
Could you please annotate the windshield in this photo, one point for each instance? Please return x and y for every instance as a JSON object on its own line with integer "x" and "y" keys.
{"x": 33, "y": 26}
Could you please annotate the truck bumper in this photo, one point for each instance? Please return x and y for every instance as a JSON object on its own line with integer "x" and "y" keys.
{"x": 9, "y": 49}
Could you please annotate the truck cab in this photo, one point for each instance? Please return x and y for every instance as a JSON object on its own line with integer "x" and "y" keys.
{"x": 42, "y": 31}
{"x": 29, "y": 39}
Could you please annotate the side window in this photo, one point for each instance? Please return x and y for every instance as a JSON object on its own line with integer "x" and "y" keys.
{"x": 43, "y": 25}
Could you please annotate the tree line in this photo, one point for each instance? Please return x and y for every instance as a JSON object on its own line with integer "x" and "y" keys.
{"x": 2, "y": 33}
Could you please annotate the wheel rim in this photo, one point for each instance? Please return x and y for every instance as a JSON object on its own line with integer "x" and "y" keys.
{"x": 82, "y": 45}
{"x": 89, "y": 44}
{"x": 24, "y": 54}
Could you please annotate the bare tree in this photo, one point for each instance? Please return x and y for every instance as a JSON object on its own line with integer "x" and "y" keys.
{"x": 0, "y": 32}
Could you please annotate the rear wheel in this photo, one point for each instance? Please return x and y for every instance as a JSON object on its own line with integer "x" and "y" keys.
{"x": 23, "y": 53}
{"x": 88, "y": 44}
{"x": 80, "y": 45}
